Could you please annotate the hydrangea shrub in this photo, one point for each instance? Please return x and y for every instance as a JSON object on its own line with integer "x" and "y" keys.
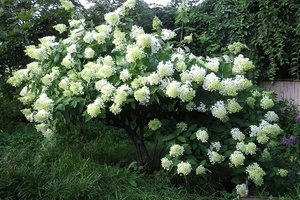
{"x": 204, "y": 110}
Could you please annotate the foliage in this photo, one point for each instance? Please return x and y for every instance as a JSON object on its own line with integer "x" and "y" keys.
{"x": 274, "y": 51}
{"x": 208, "y": 115}
{"x": 31, "y": 168}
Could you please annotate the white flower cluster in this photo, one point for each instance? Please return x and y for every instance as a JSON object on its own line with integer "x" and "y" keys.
{"x": 166, "y": 163}
{"x": 211, "y": 82}
{"x": 248, "y": 149}
{"x": 237, "y": 159}
{"x": 237, "y": 134}
{"x": 176, "y": 150}
{"x": 154, "y": 124}
{"x": 94, "y": 109}
{"x": 142, "y": 95}
{"x": 233, "y": 106}
{"x": 184, "y": 168}
{"x": 182, "y": 126}
{"x": 202, "y": 135}
{"x": 271, "y": 116}
{"x": 255, "y": 173}
{"x": 266, "y": 102}
{"x": 241, "y": 65}
{"x": 242, "y": 190}
{"x": 282, "y": 172}
{"x": 200, "y": 170}
{"x": 219, "y": 111}
{"x": 214, "y": 157}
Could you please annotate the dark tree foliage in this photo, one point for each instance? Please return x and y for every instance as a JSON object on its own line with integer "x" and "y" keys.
{"x": 269, "y": 28}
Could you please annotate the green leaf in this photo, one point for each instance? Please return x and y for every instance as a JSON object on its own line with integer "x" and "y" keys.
{"x": 133, "y": 183}
{"x": 169, "y": 137}
{"x": 192, "y": 127}
{"x": 181, "y": 139}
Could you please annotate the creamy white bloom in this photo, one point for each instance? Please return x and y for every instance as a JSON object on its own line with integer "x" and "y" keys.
{"x": 166, "y": 163}
{"x": 212, "y": 64}
{"x": 153, "y": 79}
{"x": 228, "y": 87}
{"x": 136, "y": 31}
{"x": 202, "y": 135}
{"x": 271, "y": 116}
{"x": 134, "y": 53}
{"x": 105, "y": 71}
{"x": 237, "y": 134}
{"x": 28, "y": 114}
{"x": 255, "y": 173}
{"x": 167, "y": 34}
{"x": 42, "y": 115}
{"x": 43, "y": 103}
{"x": 266, "y": 102}
{"x": 241, "y": 65}
{"x": 18, "y": 77}
{"x": 89, "y": 53}
{"x": 67, "y": 61}
{"x": 233, "y": 106}
{"x": 237, "y": 159}
{"x": 64, "y": 83}
{"x": 219, "y": 111}
{"x": 184, "y": 168}
{"x": 125, "y": 75}
{"x": 71, "y": 48}
{"x": 215, "y": 157}
{"x": 173, "y": 89}
{"x": 215, "y": 146}
{"x": 242, "y": 190}
{"x": 94, "y": 109}
{"x": 76, "y": 88}
{"x": 211, "y": 82}
{"x": 186, "y": 93}
{"x": 112, "y": 18}
{"x": 89, "y": 37}
{"x": 198, "y": 73}
{"x": 60, "y": 28}
{"x": 115, "y": 108}
{"x": 282, "y": 172}
{"x": 165, "y": 69}
{"x": 176, "y": 150}
{"x": 142, "y": 95}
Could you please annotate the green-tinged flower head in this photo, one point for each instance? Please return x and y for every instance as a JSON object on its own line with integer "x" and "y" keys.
{"x": 167, "y": 34}
{"x": 94, "y": 109}
{"x": 219, "y": 111}
{"x": 43, "y": 103}
{"x": 197, "y": 73}
{"x": 186, "y": 93}
{"x": 142, "y": 95}
{"x": 250, "y": 101}
{"x": 176, "y": 150}
{"x": 202, "y": 135}
{"x": 200, "y": 170}
{"x": 242, "y": 190}
{"x": 76, "y": 88}
{"x": 115, "y": 108}
{"x": 241, "y": 65}
{"x": 42, "y": 115}
{"x": 255, "y": 173}
{"x": 89, "y": 53}
{"x": 182, "y": 126}
{"x": 166, "y": 163}
{"x": 211, "y": 82}
{"x": 154, "y": 124}
{"x": 237, "y": 134}
{"x": 228, "y": 87}
{"x": 237, "y": 47}
{"x": 184, "y": 168}
{"x": 60, "y": 28}
{"x": 188, "y": 39}
{"x": 271, "y": 116}
{"x": 67, "y": 5}
{"x": 156, "y": 24}
{"x": 266, "y": 102}
{"x": 112, "y": 18}
{"x": 215, "y": 157}
{"x": 233, "y": 106}
{"x": 212, "y": 64}
{"x": 134, "y": 53}
{"x": 237, "y": 159}
{"x": 282, "y": 172}
{"x": 18, "y": 77}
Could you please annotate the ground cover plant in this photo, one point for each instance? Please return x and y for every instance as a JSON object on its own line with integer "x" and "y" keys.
{"x": 203, "y": 115}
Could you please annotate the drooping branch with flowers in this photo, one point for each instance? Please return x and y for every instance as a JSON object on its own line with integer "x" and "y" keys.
{"x": 204, "y": 111}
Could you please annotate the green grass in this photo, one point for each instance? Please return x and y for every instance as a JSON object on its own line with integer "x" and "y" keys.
{"x": 97, "y": 164}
